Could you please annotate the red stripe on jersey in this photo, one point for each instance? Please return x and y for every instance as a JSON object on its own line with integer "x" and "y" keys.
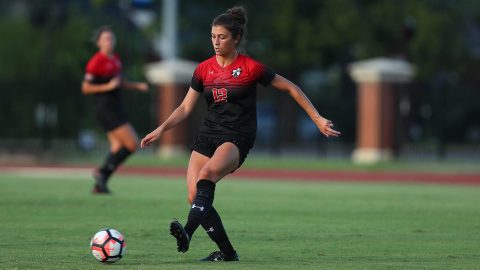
{"x": 100, "y": 65}
{"x": 243, "y": 71}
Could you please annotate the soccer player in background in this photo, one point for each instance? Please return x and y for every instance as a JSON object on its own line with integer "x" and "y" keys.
{"x": 228, "y": 82}
{"x": 103, "y": 79}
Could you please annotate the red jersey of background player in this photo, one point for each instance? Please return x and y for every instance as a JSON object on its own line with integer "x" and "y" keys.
{"x": 101, "y": 69}
{"x": 231, "y": 94}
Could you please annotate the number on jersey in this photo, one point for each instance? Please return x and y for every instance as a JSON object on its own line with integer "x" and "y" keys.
{"x": 219, "y": 95}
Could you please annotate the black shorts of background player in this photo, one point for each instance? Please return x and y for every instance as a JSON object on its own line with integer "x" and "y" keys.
{"x": 228, "y": 82}
{"x": 103, "y": 80}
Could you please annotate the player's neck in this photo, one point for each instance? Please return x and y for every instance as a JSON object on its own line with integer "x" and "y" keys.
{"x": 108, "y": 54}
{"x": 225, "y": 60}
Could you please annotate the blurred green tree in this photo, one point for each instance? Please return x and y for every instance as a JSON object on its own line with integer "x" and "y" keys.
{"x": 291, "y": 36}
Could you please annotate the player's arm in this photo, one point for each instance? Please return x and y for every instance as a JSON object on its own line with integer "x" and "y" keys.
{"x": 139, "y": 86}
{"x": 177, "y": 116}
{"x": 90, "y": 88}
{"x": 324, "y": 125}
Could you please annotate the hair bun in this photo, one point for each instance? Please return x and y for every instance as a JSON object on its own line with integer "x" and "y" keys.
{"x": 239, "y": 13}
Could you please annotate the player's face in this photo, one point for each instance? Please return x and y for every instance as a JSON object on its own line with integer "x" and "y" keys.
{"x": 106, "y": 42}
{"x": 223, "y": 42}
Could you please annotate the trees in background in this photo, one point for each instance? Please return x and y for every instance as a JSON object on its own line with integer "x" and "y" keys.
{"x": 45, "y": 48}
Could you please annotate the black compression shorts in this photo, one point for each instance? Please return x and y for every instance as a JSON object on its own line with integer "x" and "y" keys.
{"x": 206, "y": 144}
{"x": 110, "y": 119}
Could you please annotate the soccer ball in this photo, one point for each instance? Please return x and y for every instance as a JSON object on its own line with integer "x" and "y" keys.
{"x": 108, "y": 246}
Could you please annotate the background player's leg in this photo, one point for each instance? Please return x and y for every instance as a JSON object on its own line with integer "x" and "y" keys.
{"x": 127, "y": 136}
{"x": 100, "y": 174}
{"x": 123, "y": 142}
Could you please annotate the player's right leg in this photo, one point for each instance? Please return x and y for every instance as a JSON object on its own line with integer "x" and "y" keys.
{"x": 197, "y": 161}
{"x": 195, "y": 164}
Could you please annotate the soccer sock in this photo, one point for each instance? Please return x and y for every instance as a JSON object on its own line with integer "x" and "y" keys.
{"x": 113, "y": 161}
{"x": 212, "y": 223}
{"x": 201, "y": 205}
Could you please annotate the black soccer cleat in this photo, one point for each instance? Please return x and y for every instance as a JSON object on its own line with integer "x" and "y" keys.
{"x": 183, "y": 240}
{"x": 100, "y": 186}
{"x": 99, "y": 190}
{"x": 218, "y": 256}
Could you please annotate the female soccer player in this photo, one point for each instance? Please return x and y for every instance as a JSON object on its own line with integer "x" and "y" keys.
{"x": 103, "y": 79}
{"x": 228, "y": 82}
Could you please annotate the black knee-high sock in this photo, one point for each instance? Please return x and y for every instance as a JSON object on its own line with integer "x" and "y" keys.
{"x": 112, "y": 162}
{"x": 212, "y": 223}
{"x": 201, "y": 205}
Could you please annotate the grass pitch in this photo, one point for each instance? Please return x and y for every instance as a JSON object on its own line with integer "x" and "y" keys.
{"x": 46, "y": 222}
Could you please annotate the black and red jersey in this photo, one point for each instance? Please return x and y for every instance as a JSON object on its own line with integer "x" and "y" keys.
{"x": 109, "y": 108}
{"x": 101, "y": 68}
{"x": 231, "y": 94}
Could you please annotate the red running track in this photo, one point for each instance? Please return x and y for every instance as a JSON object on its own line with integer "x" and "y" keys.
{"x": 279, "y": 174}
{"x": 325, "y": 175}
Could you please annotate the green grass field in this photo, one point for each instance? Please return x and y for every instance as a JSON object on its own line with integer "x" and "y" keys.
{"x": 46, "y": 222}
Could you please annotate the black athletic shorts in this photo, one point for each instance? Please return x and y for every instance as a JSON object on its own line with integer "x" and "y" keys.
{"x": 111, "y": 119}
{"x": 109, "y": 110}
{"x": 206, "y": 144}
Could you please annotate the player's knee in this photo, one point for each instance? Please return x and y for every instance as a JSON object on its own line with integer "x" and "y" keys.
{"x": 131, "y": 143}
{"x": 208, "y": 173}
{"x": 131, "y": 146}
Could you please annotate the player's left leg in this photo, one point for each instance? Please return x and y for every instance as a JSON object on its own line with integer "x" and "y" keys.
{"x": 212, "y": 224}
{"x": 123, "y": 142}
{"x": 127, "y": 137}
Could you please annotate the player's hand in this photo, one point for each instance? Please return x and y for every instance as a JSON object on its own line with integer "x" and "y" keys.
{"x": 151, "y": 137}
{"x": 142, "y": 86}
{"x": 115, "y": 82}
{"x": 326, "y": 127}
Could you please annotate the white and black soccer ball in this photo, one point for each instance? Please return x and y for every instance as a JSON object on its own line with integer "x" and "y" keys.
{"x": 108, "y": 246}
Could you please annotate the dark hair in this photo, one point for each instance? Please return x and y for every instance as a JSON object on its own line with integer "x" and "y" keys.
{"x": 234, "y": 20}
{"x": 100, "y": 30}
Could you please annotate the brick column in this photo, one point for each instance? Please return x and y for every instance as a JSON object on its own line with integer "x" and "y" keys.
{"x": 377, "y": 106}
{"x": 172, "y": 79}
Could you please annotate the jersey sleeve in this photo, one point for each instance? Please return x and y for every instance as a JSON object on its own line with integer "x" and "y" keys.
{"x": 91, "y": 69}
{"x": 197, "y": 80}
{"x": 263, "y": 74}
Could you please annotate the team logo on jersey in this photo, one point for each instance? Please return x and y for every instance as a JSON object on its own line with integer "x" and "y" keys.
{"x": 236, "y": 72}
{"x": 210, "y": 72}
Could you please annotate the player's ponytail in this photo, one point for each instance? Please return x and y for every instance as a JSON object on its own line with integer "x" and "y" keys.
{"x": 235, "y": 21}
{"x": 239, "y": 13}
